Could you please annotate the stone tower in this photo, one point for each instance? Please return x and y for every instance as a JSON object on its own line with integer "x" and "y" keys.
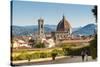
{"x": 41, "y": 28}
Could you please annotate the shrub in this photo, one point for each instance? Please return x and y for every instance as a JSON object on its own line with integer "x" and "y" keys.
{"x": 38, "y": 54}
{"x": 40, "y": 45}
{"x": 31, "y": 42}
{"x": 35, "y": 55}
{"x": 48, "y": 54}
{"x": 68, "y": 45}
{"x": 54, "y": 53}
{"x": 14, "y": 58}
{"x": 75, "y": 51}
{"x": 20, "y": 57}
{"x": 43, "y": 55}
{"x": 65, "y": 50}
{"x": 29, "y": 57}
{"x": 93, "y": 53}
{"x": 60, "y": 52}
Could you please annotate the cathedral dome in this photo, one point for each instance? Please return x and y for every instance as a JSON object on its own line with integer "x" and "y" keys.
{"x": 64, "y": 25}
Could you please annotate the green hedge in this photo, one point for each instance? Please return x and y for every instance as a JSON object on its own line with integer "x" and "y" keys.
{"x": 37, "y": 55}
{"x": 22, "y": 56}
{"x": 68, "y": 45}
{"x": 74, "y": 51}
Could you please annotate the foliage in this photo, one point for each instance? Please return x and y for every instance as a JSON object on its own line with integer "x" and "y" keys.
{"x": 75, "y": 51}
{"x": 65, "y": 50}
{"x": 94, "y": 10}
{"x": 31, "y": 42}
{"x": 93, "y": 47}
{"x": 28, "y": 57}
{"x": 20, "y": 57}
{"x": 38, "y": 54}
{"x": 40, "y": 45}
{"x": 60, "y": 52}
{"x": 35, "y": 55}
{"x": 93, "y": 43}
{"x": 43, "y": 55}
{"x": 67, "y": 45}
{"x": 54, "y": 53}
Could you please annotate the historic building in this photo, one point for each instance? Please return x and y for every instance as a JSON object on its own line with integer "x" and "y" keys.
{"x": 41, "y": 28}
{"x": 63, "y": 31}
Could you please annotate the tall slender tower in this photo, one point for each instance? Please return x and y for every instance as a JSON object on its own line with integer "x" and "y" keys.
{"x": 41, "y": 28}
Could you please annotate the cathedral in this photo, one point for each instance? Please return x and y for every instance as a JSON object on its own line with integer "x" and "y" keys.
{"x": 63, "y": 31}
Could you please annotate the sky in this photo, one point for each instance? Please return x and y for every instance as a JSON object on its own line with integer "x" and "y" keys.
{"x": 27, "y": 13}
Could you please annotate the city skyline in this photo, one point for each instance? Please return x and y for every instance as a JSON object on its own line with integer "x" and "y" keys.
{"x": 27, "y": 13}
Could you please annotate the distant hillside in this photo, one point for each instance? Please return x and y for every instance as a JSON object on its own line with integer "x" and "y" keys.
{"x": 75, "y": 29}
{"x": 86, "y": 30}
{"x": 27, "y": 30}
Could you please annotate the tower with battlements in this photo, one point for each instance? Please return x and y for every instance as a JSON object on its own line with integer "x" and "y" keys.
{"x": 41, "y": 28}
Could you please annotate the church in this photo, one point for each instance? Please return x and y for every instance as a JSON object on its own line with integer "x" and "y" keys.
{"x": 63, "y": 30}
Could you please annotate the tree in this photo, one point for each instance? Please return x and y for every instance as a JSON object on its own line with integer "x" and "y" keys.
{"x": 94, "y": 10}
{"x": 54, "y": 53}
{"x": 93, "y": 43}
{"x": 39, "y": 45}
{"x": 31, "y": 42}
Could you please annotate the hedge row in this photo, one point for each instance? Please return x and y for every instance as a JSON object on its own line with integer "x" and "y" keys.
{"x": 64, "y": 52}
{"x": 76, "y": 52}
{"x": 37, "y": 55}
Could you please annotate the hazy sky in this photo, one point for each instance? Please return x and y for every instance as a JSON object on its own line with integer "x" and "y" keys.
{"x": 27, "y": 13}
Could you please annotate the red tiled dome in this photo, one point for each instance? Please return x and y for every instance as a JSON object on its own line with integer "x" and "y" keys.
{"x": 63, "y": 25}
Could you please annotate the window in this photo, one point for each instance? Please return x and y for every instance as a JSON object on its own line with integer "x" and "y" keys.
{"x": 41, "y": 26}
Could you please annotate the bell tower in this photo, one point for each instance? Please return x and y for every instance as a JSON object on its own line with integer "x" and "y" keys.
{"x": 41, "y": 28}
